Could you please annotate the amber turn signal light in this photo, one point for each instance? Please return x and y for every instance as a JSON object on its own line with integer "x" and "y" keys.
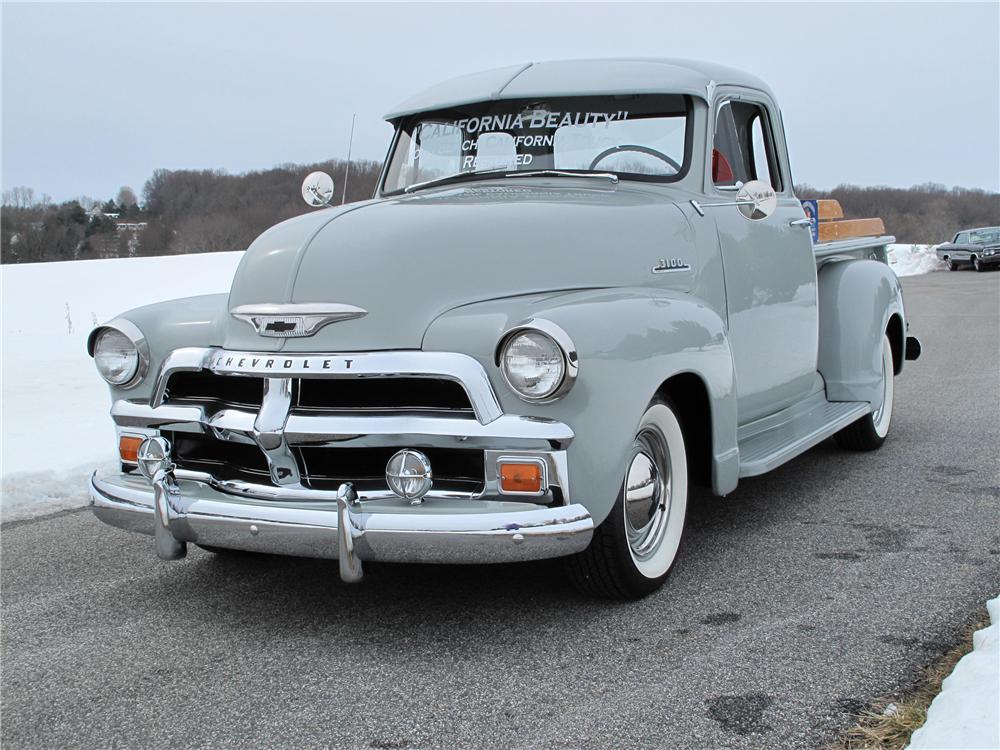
{"x": 521, "y": 477}
{"x": 128, "y": 449}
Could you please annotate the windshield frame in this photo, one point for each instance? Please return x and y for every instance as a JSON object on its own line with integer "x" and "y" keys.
{"x": 402, "y": 123}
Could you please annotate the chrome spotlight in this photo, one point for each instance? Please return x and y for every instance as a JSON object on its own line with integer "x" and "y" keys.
{"x": 409, "y": 475}
{"x": 153, "y": 456}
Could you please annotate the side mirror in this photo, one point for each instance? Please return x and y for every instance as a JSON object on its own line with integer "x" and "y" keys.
{"x": 756, "y": 200}
{"x": 317, "y": 189}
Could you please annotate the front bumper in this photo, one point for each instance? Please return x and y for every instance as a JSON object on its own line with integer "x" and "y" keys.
{"x": 439, "y": 531}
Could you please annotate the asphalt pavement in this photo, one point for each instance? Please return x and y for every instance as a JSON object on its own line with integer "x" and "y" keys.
{"x": 796, "y": 600}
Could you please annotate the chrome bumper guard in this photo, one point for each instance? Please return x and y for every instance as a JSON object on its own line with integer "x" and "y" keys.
{"x": 178, "y": 511}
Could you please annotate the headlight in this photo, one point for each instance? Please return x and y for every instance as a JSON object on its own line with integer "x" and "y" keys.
{"x": 538, "y": 361}
{"x": 116, "y": 357}
{"x": 120, "y": 353}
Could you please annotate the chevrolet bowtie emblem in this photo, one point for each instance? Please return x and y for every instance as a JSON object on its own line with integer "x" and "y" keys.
{"x": 294, "y": 319}
{"x": 281, "y": 326}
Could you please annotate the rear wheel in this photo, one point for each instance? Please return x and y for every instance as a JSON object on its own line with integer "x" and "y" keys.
{"x": 869, "y": 432}
{"x": 634, "y": 549}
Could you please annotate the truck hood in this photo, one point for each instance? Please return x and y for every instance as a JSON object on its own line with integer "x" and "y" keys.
{"x": 407, "y": 260}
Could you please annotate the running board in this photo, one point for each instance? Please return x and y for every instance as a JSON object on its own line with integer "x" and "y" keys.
{"x": 770, "y": 442}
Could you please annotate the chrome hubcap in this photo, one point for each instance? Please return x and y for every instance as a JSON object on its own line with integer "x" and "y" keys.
{"x": 647, "y": 493}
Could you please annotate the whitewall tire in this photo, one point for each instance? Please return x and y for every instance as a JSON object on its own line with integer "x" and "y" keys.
{"x": 634, "y": 549}
{"x": 869, "y": 432}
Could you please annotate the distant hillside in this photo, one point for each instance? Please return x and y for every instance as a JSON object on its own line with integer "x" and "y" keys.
{"x": 189, "y": 211}
{"x": 204, "y": 212}
{"x": 923, "y": 214}
{"x": 182, "y": 211}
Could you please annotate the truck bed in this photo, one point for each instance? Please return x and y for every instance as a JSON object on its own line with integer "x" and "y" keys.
{"x": 872, "y": 248}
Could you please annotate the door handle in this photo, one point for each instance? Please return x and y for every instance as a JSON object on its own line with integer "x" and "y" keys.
{"x": 800, "y": 223}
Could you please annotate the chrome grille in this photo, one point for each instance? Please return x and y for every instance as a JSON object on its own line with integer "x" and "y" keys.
{"x": 455, "y": 470}
{"x": 295, "y": 426}
{"x": 386, "y": 395}
{"x": 214, "y": 392}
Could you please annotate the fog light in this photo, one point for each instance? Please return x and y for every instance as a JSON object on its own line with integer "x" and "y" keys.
{"x": 409, "y": 475}
{"x": 128, "y": 448}
{"x": 153, "y": 455}
{"x": 522, "y": 476}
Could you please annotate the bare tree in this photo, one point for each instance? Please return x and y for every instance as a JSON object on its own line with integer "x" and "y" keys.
{"x": 19, "y": 197}
{"x": 126, "y": 197}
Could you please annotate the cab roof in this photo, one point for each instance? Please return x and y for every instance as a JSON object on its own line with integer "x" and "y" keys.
{"x": 579, "y": 78}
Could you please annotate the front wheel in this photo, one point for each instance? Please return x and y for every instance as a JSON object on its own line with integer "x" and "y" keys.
{"x": 869, "y": 432}
{"x": 978, "y": 265}
{"x": 634, "y": 549}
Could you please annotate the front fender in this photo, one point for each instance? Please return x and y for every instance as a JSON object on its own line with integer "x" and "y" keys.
{"x": 857, "y": 300}
{"x": 629, "y": 341}
{"x": 191, "y": 321}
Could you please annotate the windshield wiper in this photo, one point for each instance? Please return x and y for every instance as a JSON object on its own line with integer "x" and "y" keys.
{"x": 562, "y": 173}
{"x": 510, "y": 173}
{"x": 449, "y": 178}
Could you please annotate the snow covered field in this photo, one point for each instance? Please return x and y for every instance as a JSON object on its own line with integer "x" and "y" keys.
{"x": 55, "y": 424}
{"x": 55, "y": 427}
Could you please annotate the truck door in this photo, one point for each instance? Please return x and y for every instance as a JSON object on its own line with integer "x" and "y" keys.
{"x": 769, "y": 267}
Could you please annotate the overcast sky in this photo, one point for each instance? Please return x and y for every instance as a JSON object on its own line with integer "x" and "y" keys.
{"x": 98, "y": 96}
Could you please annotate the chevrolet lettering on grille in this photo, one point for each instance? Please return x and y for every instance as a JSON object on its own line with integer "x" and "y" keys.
{"x": 226, "y": 363}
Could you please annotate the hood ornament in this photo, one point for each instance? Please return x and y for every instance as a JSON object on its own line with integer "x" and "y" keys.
{"x": 294, "y": 320}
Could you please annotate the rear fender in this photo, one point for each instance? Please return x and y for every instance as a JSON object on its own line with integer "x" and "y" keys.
{"x": 857, "y": 301}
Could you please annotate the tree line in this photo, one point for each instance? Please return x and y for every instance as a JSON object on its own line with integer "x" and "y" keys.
{"x": 181, "y": 211}
{"x": 192, "y": 211}
{"x": 923, "y": 214}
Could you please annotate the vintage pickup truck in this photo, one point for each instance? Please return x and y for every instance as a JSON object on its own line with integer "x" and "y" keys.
{"x": 581, "y": 288}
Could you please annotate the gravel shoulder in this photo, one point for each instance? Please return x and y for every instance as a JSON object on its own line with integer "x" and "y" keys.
{"x": 798, "y": 599}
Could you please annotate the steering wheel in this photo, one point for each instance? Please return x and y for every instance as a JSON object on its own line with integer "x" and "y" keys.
{"x": 641, "y": 149}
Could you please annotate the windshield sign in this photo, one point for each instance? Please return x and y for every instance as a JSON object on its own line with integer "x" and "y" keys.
{"x": 633, "y": 137}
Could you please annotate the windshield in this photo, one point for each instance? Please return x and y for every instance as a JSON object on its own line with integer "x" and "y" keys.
{"x": 643, "y": 137}
{"x": 985, "y": 236}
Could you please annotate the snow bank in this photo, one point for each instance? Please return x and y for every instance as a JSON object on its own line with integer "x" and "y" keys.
{"x": 54, "y": 427}
{"x": 912, "y": 260}
{"x": 965, "y": 714}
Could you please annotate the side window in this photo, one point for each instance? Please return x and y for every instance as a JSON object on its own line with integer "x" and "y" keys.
{"x": 744, "y": 146}
{"x": 962, "y": 238}
{"x": 727, "y": 157}
{"x": 760, "y": 147}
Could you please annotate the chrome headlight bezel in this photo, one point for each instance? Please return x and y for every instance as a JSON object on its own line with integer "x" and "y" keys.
{"x": 561, "y": 341}
{"x": 131, "y": 332}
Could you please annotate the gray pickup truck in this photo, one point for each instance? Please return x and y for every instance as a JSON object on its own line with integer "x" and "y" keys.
{"x": 581, "y": 288}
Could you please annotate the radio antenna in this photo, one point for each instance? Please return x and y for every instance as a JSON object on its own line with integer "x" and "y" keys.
{"x": 347, "y": 171}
